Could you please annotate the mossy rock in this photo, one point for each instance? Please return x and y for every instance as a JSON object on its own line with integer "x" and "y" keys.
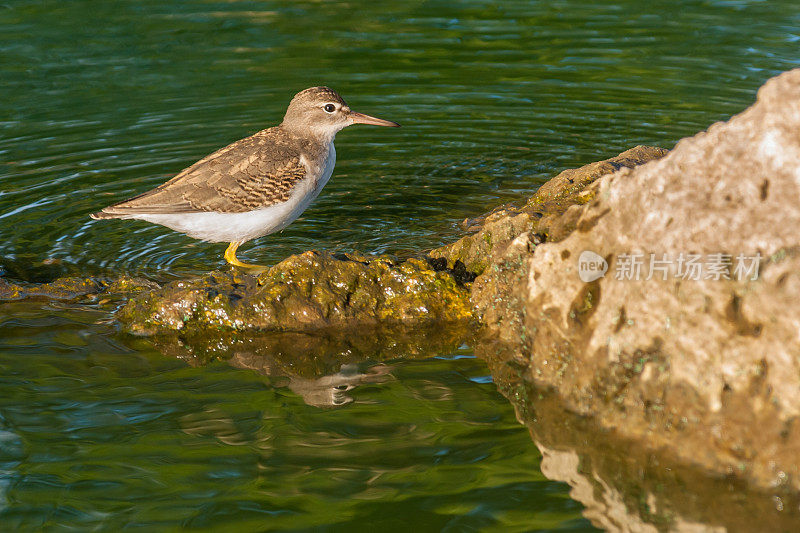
{"x": 71, "y": 288}
{"x": 309, "y": 291}
{"x": 540, "y": 215}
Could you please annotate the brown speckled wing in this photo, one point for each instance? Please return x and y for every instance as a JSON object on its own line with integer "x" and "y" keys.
{"x": 255, "y": 172}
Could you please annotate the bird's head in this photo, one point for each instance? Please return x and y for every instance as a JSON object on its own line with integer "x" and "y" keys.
{"x": 323, "y": 113}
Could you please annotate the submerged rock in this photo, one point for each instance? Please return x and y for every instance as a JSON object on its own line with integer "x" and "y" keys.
{"x": 705, "y": 365}
{"x": 309, "y": 291}
{"x": 71, "y": 288}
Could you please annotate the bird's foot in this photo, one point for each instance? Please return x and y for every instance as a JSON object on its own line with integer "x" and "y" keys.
{"x": 230, "y": 257}
{"x": 250, "y": 269}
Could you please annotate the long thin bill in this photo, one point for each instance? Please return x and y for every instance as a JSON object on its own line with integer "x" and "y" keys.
{"x": 361, "y": 118}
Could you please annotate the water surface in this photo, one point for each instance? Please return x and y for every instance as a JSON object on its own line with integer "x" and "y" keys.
{"x": 102, "y": 100}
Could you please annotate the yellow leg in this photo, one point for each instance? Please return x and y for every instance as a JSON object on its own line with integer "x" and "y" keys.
{"x": 230, "y": 257}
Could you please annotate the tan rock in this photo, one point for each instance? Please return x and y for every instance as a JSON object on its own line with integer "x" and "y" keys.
{"x": 708, "y": 368}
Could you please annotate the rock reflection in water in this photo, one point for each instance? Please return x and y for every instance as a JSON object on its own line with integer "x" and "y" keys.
{"x": 322, "y": 367}
{"x": 627, "y": 487}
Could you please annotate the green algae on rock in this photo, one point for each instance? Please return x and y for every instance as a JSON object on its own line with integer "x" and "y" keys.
{"x": 500, "y": 250}
{"x": 309, "y": 291}
{"x": 541, "y": 214}
{"x": 71, "y": 288}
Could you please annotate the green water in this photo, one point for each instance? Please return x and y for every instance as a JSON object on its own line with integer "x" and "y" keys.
{"x": 100, "y": 100}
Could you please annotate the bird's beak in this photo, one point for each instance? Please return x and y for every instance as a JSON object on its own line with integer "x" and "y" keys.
{"x": 360, "y": 118}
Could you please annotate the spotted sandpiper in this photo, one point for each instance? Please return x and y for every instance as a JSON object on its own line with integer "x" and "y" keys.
{"x": 257, "y": 185}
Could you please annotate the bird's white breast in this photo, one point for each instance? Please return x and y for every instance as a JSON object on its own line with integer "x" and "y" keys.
{"x": 232, "y": 227}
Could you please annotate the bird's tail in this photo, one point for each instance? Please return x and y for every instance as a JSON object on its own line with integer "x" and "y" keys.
{"x": 102, "y": 215}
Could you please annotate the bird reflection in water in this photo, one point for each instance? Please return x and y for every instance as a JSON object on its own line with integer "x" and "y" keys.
{"x": 331, "y": 390}
{"x": 322, "y": 368}
{"x": 328, "y": 390}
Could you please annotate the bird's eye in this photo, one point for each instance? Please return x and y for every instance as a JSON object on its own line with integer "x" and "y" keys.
{"x": 329, "y": 108}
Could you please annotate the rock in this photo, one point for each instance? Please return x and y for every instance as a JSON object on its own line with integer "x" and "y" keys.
{"x": 539, "y": 215}
{"x": 708, "y": 369}
{"x": 71, "y": 288}
{"x": 310, "y": 291}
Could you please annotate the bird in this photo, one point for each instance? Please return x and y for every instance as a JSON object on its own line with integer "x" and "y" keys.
{"x": 255, "y": 186}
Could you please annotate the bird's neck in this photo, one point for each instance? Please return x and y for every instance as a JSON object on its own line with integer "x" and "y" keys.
{"x": 322, "y": 137}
